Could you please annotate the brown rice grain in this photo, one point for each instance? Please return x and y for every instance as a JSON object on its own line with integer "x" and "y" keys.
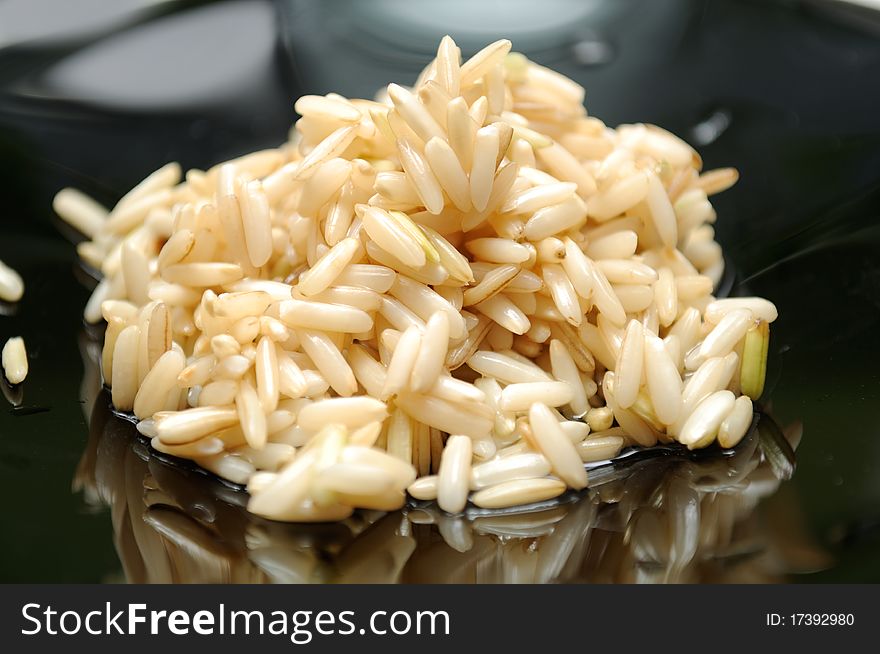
{"x": 282, "y": 498}
{"x": 575, "y": 430}
{"x": 664, "y": 383}
{"x": 398, "y": 315}
{"x": 604, "y": 298}
{"x": 482, "y": 174}
{"x": 246, "y": 329}
{"x": 126, "y": 217}
{"x": 329, "y": 361}
{"x": 267, "y": 374}
{"x": 449, "y": 172}
{"x": 80, "y": 211}
{"x": 14, "y": 360}
{"x": 388, "y": 235}
{"x": 231, "y": 367}
{"x": 339, "y": 215}
{"x": 599, "y": 448}
{"x": 556, "y": 446}
{"x": 565, "y": 370}
{"x": 600, "y": 419}
{"x": 125, "y": 368}
{"x": 403, "y": 360}
{"x": 305, "y": 314}
{"x": 396, "y": 188}
{"x": 280, "y": 419}
{"x": 414, "y": 113}
{"x": 721, "y": 340}
{"x": 178, "y": 427}
{"x": 367, "y": 435}
{"x": 445, "y": 416}
{"x": 292, "y": 381}
{"x": 251, "y": 415}
{"x": 490, "y": 56}
{"x": 448, "y": 68}
{"x": 270, "y": 457}
{"x": 539, "y": 197}
{"x": 563, "y": 293}
{"x": 332, "y": 146}
{"x": 432, "y": 352}
{"x": 218, "y": 392}
{"x": 666, "y": 297}
{"x": 505, "y": 313}
{"x": 506, "y": 368}
{"x": 462, "y": 130}
{"x": 634, "y": 298}
{"x": 760, "y": 308}
{"x": 736, "y": 424}
{"x": 539, "y": 332}
{"x": 323, "y": 185}
{"x": 453, "y": 478}
{"x": 564, "y": 165}
{"x": 518, "y": 492}
{"x": 152, "y": 394}
{"x": 528, "y": 465}
{"x": 274, "y": 329}
{"x": 556, "y": 219}
{"x": 718, "y": 180}
{"x": 629, "y": 365}
{"x": 687, "y": 328}
{"x": 519, "y": 397}
{"x": 424, "y": 488}
{"x": 375, "y": 278}
{"x": 328, "y": 267}
{"x": 256, "y": 221}
{"x": 692, "y": 287}
{"x": 580, "y": 273}
{"x": 202, "y": 274}
{"x": 626, "y": 271}
{"x": 673, "y": 349}
{"x": 621, "y": 196}
{"x": 425, "y": 302}
{"x": 353, "y": 479}
{"x": 420, "y": 176}
{"x": 324, "y": 106}
{"x": 399, "y": 436}
{"x": 661, "y": 212}
{"x": 703, "y": 424}
{"x": 356, "y": 297}
{"x": 478, "y": 110}
{"x": 526, "y": 302}
{"x": 617, "y": 245}
{"x": 454, "y": 390}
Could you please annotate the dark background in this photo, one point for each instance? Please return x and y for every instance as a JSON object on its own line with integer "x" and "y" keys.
{"x": 98, "y": 94}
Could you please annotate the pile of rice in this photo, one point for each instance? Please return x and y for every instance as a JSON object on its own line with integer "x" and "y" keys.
{"x": 464, "y": 290}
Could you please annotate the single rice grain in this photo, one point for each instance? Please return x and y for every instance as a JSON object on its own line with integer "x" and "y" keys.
{"x": 14, "y": 359}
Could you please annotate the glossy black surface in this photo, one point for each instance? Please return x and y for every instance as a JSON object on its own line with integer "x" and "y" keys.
{"x": 784, "y": 91}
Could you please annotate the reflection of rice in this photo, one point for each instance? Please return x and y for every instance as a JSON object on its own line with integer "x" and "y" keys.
{"x": 455, "y": 274}
{"x": 666, "y": 519}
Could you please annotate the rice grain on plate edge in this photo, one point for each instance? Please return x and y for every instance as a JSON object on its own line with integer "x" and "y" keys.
{"x": 473, "y": 261}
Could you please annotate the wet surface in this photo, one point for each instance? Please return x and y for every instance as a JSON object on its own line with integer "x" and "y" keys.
{"x": 668, "y": 516}
{"x": 86, "y": 501}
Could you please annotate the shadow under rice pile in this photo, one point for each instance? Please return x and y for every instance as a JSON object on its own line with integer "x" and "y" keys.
{"x": 463, "y": 290}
